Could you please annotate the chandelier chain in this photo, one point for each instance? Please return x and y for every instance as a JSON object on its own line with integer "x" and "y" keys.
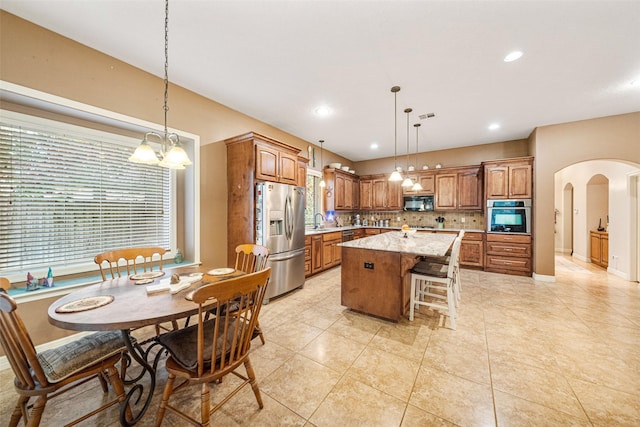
{"x": 166, "y": 65}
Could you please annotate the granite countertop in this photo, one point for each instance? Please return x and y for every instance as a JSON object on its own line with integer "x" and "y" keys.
{"x": 308, "y": 231}
{"x": 415, "y": 243}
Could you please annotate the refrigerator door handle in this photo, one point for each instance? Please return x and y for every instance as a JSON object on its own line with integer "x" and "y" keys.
{"x": 288, "y": 220}
{"x": 289, "y": 255}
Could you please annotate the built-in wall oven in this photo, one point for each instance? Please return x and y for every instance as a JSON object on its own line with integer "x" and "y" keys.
{"x": 509, "y": 216}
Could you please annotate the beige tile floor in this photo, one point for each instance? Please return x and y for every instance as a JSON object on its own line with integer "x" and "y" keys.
{"x": 524, "y": 353}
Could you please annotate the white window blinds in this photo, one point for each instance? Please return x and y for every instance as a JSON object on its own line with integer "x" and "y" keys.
{"x": 67, "y": 194}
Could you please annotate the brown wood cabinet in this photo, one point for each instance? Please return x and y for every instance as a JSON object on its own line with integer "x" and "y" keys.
{"x": 307, "y": 256}
{"x": 366, "y": 193}
{"x": 600, "y": 248}
{"x": 316, "y": 253}
{"x": 342, "y": 190}
{"x": 378, "y": 193}
{"x": 508, "y": 253}
{"x": 331, "y": 252}
{"x": 252, "y": 158}
{"x": 302, "y": 172}
{"x": 459, "y": 189}
{"x": 509, "y": 179}
{"x": 446, "y": 191}
{"x": 275, "y": 164}
{"x": 472, "y": 250}
{"x": 426, "y": 179}
{"x": 358, "y": 233}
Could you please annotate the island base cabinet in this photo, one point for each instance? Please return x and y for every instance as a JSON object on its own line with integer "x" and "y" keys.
{"x": 372, "y": 283}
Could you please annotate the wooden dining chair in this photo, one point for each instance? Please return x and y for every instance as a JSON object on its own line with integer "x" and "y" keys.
{"x": 204, "y": 353}
{"x": 5, "y": 284}
{"x": 134, "y": 260}
{"x": 53, "y": 372}
{"x": 251, "y": 258}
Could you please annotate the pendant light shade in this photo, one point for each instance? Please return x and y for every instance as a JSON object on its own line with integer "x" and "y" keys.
{"x": 171, "y": 154}
{"x": 322, "y": 183}
{"x": 407, "y": 181}
{"x": 417, "y": 186}
{"x": 395, "y": 175}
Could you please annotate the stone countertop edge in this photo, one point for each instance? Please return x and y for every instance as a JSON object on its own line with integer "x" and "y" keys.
{"x": 308, "y": 232}
{"x": 425, "y": 244}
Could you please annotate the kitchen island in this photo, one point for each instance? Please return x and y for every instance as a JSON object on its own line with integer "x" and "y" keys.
{"x": 375, "y": 270}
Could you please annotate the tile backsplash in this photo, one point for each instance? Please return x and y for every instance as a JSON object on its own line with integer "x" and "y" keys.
{"x": 460, "y": 220}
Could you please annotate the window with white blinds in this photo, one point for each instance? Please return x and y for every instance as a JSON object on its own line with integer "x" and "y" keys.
{"x": 68, "y": 193}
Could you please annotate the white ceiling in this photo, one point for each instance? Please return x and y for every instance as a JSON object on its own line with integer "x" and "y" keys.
{"x": 278, "y": 60}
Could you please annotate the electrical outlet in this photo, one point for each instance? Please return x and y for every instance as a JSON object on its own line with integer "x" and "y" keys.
{"x": 398, "y": 219}
{"x": 368, "y": 265}
{"x": 462, "y": 219}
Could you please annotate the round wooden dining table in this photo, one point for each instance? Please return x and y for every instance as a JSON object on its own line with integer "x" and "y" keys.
{"x": 128, "y": 306}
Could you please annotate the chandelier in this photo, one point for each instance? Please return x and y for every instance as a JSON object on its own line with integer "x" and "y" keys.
{"x": 171, "y": 154}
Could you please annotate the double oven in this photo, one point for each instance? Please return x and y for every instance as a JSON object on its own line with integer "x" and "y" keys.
{"x": 509, "y": 216}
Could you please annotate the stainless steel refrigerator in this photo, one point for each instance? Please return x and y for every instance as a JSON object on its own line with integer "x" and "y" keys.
{"x": 280, "y": 227}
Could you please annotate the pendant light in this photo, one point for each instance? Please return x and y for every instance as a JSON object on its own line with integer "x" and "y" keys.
{"x": 171, "y": 154}
{"x": 407, "y": 181}
{"x": 416, "y": 186}
{"x": 322, "y": 183}
{"x": 395, "y": 175}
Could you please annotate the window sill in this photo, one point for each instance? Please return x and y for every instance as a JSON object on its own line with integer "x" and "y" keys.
{"x": 64, "y": 287}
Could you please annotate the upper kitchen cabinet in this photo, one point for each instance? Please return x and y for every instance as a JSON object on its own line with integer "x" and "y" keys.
{"x": 302, "y": 172}
{"x": 342, "y": 190}
{"x": 509, "y": 179}
{"x": 458, "y": 189}
{"x": 366, "y": 193}
{"x": 377, "y": 193}
{"x": 470, "y": 188}
{"x": 264, "y": 157}
{"x": 427, "y": 181}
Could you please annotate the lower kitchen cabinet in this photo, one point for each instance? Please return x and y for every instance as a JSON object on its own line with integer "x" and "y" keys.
{"x": 508, "y": 254}
{"x": 472, "y": 250}
{"x": 307, "y": 256}
{"x": 316, "y": 253}
{"x": 331, "y": 252}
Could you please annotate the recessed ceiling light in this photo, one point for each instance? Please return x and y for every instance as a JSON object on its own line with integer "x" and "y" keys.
{"x": 323, "y": 111}
{"x": 513, "y": 56}
{"x": 494, "y": 126}
{"x": 374, "y": 146}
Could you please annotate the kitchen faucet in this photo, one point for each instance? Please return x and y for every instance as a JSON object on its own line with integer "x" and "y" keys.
{"x": 315, "y": 223}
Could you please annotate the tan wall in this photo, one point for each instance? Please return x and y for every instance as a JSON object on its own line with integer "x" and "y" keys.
{"x": 37, "y": 58}
{"x": 558, "y": 146}
{"x": 464, "y": 156}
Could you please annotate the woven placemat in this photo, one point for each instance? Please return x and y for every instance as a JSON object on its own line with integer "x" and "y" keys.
{"x": 83, "y": 304}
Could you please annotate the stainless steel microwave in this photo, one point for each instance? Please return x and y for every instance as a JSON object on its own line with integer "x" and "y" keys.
{"x": 418, "y": 203}
{"x": 509, "y": 216}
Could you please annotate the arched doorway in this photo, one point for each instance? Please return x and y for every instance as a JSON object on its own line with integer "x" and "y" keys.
{"x": 599, "y": 193}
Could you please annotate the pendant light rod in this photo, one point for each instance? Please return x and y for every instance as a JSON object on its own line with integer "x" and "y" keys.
{"x": 417, "y": 126}
{"x": 408, "y": 110}
{"x": 321, "y": 183}
{"x": 395, "y": 175}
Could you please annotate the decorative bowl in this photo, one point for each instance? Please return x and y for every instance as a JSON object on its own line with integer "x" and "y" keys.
{"x": 352, "y": 171}
{"x": 335, "y": 165}
{"x": 345, "y": 168}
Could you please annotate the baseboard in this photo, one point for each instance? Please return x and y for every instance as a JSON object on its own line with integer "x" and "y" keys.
{"x": 619, "y": 273}
{"x": 4, "y": 362}
{"x": 543, "y": 278}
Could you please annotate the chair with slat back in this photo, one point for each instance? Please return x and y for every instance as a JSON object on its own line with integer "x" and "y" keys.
{"x": 136, "y": 260}
{"x": 204, "y": 353}
{"x": 5, "y": 284}
{"x": 251, "y": 258}
{"x": 55, "y": 371}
